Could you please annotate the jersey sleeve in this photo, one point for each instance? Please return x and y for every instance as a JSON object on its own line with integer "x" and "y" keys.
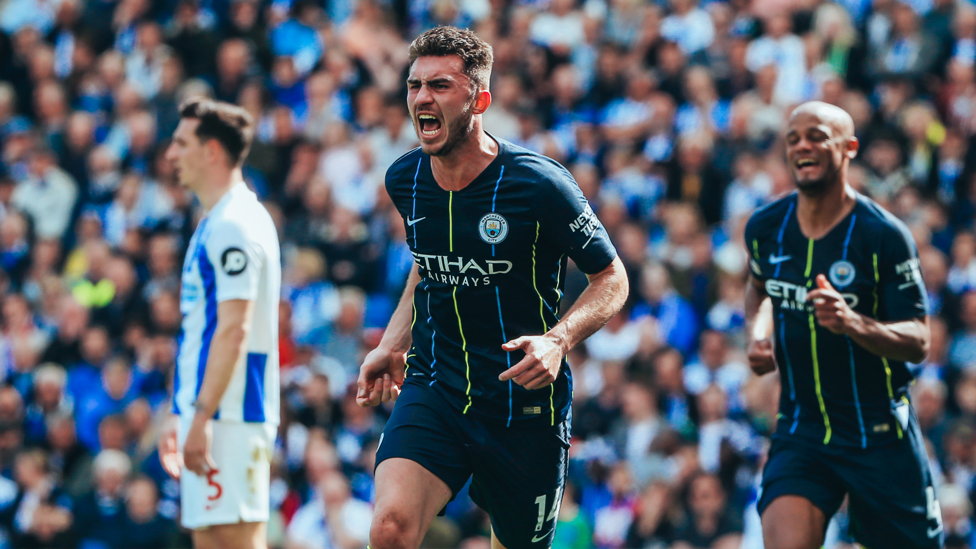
{"x": 900, "y": 286}
{"x": 752, "y": 239}
{"x": 236, "y": 260}
{"x": 404, "y": 168}
{"x": 573, "y": 225}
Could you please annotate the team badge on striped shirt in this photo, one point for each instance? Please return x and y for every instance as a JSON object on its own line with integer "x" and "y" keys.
{"x": 841, "y": 273}
{"x": 493, "y": 228}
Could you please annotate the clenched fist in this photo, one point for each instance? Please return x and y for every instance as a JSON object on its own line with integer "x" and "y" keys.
{"x": 762, "y": 358}
{"x": 830, "y": 308}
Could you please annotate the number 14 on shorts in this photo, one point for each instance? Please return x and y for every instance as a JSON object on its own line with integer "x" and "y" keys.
{"x": 541, "y": 502}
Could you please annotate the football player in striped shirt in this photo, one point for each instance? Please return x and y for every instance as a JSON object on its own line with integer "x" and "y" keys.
{"x": 836, "y": 301}
{"x": 225, "y": 386}
{"x": 474, "y": 353}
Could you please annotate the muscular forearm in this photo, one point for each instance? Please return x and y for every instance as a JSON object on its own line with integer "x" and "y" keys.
{"x": 397, "y": 336}
{"x": 602, "y": 299}
{"x": 226, "y": 348}
{"x": 907, "y": 340}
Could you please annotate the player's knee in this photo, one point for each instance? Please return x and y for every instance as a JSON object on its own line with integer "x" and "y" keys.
{"x": 393, "y": 530}
{"x": 783, "y": 535}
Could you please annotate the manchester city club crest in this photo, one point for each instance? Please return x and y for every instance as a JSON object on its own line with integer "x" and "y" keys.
{"x": 841, "y": 273}
{"x": 493, "y": 228}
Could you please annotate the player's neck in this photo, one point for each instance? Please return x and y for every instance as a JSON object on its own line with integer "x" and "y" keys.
{"x": 218, "y": 186}
{"x": 818, "y": 213}
{"x": 458, "y": 169}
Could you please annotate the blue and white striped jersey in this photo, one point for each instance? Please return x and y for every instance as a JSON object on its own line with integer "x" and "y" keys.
{"x": 233, "y": 254}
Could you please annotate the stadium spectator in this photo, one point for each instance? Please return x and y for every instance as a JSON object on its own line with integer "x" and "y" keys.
{"x": 710, "y": 523}
{"x": 47, "y": 195}
{"x": 116, "y": 391}
{"x": 143, "y": 527}
{"x": 332, "y": 520}
{"x": 39, "y": 513}
{"x": 48, "y": 399}
{"x": 69, "y": 459}
{"x": 99, "y": 515}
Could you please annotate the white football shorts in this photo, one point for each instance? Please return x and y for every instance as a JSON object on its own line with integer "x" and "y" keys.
{"x": 237, "y": 490}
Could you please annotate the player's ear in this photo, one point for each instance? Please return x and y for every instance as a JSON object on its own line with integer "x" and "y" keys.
{"x": 852, "y": 147}
{"x": 212, "y": 150}
{"x": 482, "y": 100}
{"x": 216, "y": 153}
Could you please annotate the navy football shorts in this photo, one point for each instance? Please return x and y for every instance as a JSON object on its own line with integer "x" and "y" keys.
{"x": 517, "y": 473}
{"x": 892, "y": 499}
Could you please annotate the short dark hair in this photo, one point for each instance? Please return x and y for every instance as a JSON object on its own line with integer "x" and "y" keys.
{"x": 229, "y": 124}
{"x": 476, "y": 54}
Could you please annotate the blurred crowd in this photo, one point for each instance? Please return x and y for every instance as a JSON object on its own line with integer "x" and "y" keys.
{"x": 669, "y": 115}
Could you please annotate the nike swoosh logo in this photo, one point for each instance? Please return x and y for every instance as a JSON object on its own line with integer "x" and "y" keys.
{"x": 906, "y": 285}
{"x": 412, "y": 222}
{"x": 774, "y": 260}
{"x": 932, "y": 532}
{"x": 537, "y": 539}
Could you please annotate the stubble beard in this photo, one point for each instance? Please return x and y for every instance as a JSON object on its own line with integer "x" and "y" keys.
{"x": 457, "y": 132}
{"x": 820, "y": 184}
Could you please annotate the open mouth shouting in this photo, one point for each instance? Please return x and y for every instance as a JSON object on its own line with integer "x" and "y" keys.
{"x": 430, "y": 125}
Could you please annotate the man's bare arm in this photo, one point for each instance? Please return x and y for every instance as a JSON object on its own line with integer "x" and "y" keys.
{"x": 229, "y": 343}
{"x": 600, "y": 301}
{"x": 906, "y": 340}
{"x": 227, "y": 347}
{"x": 397, "y": 336}
{"x": 381, "y": 373}
{"x": 759, "y": 328}
{"x": 604, "y": 297}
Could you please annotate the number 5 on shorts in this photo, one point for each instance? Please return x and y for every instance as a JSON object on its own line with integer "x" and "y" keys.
{"x": 541, "y": 502}
{"x": 219, "y": 490}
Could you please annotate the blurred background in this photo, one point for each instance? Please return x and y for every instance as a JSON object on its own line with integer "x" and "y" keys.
{"x": 669, "y": 113}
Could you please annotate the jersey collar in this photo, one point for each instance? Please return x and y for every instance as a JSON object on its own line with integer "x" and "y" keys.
{"x": 238, "y": 188}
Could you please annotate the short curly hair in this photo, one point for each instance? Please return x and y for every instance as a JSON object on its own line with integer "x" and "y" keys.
{"x": 476, "y": 54}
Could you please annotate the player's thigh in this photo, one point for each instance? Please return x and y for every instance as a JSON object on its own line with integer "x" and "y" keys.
{"x": 495, "y": 544}
{"x": 893, "y": 500}
{"x": 237, "y": 489}
{"x": 800, "y": 492}
{"x": 243, "y": 535}
{"x": 519, "y": 474}
{"x": 793, "y": 522}
{"x": 408, "y": 497}
{"x": 421, "y": 465}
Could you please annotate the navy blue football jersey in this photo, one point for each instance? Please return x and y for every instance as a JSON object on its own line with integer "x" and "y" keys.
{"x": 833, "y": 390}
{"x": 492, "y": 259}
